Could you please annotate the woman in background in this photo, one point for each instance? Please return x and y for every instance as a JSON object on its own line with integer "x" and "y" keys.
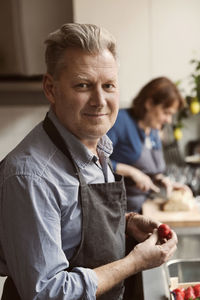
{"x": 137, "y": 146}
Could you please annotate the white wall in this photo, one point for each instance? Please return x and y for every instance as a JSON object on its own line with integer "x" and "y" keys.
{"x": 155, "y": 37}
{"x": 175, "y": 28}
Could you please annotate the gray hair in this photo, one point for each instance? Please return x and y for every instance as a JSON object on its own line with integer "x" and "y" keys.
{"x": 87, "y": 37}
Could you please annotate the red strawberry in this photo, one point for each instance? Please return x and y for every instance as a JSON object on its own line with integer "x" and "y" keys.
{"x": 179, "y": 293}
{"x": 164, "y": 232}
{"x": 189, "y": 293}
{"x": 196, "y": 289}
{"x": 169, "y": 236}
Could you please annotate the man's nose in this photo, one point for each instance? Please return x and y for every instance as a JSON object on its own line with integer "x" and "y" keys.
{"x": 98, "y": 97}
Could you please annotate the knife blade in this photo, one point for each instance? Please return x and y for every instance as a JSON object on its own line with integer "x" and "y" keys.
{"x": 161, "y": 194}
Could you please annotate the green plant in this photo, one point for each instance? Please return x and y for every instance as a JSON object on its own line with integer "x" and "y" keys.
{"x": 196, "y": 79}
{"x": 192, "y": 101}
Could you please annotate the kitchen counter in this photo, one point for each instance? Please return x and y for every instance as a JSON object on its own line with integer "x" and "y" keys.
{"x": 175, "y": 219}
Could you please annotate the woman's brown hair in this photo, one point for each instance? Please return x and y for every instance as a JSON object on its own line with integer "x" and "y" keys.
{"x": 160, "y": 90}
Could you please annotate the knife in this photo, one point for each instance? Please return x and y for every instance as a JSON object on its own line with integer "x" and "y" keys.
{"x": 161, "y": 194}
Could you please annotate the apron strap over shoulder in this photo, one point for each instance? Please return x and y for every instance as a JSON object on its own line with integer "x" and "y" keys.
{"x": 59, "y": 142}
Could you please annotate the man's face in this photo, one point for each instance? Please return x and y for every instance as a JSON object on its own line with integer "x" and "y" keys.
{"x": 85, "y": 95}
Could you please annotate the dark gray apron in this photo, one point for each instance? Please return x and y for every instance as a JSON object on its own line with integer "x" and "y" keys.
{"x": 103, "y": 222}
{"x": 151, "y": 162}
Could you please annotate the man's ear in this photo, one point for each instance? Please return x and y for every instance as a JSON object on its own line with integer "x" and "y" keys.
{"x": 49, "y": 88}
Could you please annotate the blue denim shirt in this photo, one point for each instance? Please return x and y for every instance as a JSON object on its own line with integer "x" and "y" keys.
{"x": 40, "y": 214}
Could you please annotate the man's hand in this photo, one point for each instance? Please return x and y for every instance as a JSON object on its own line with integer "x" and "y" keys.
{"x": 140, "y": 227}
{"x": 151, "y": 254}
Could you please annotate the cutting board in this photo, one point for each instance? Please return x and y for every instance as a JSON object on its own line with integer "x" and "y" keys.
{"x": 152, "y": 208}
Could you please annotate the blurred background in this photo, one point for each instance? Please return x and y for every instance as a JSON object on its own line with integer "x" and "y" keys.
{"x": 155, "y": 38}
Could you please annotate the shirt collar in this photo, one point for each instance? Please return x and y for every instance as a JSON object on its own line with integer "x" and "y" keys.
{"x": 80, "y": 153}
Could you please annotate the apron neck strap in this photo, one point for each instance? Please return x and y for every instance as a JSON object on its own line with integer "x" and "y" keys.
{"x": 59, "y": 142}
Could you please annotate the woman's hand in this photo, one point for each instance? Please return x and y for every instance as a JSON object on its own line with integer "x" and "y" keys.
{"x": 180, "y": 186}
{"x": 171, "y": 185}
{"x": 140, "y": 227}
{"x": 142, "y": 181}
{"x": 167, "y": 183}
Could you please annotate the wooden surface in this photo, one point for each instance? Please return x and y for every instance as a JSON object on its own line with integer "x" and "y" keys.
{"x": 152, "y": 208}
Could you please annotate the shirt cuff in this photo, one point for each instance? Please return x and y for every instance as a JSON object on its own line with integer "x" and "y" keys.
{"x": 91, "y": 282}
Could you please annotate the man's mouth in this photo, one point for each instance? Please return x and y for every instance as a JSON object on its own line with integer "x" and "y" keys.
{"x": 95, "y": 115}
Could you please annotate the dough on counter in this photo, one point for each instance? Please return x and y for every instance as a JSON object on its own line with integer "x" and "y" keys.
{"x": 179, "y": 200}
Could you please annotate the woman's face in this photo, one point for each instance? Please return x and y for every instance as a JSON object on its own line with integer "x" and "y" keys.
{"x": 157, "y": 115}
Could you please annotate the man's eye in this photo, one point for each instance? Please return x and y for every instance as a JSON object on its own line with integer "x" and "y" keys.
{"x": 82, "y": 85}
{"x": 109, "y": 86}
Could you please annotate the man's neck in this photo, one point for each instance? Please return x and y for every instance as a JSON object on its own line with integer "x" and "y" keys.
{"x": 91, "y": 145}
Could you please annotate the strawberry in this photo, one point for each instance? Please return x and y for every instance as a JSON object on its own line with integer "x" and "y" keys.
{"x": 164, "y": 232}
{"x": 196, "y": 289}
{"x": 189, "y": 293}
{"x": 179, "y": 293}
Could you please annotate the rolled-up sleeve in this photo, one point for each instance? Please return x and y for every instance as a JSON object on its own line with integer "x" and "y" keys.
{"x": 32, "y": 243}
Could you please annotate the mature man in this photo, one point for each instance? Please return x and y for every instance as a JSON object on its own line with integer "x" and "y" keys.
{"x": 63, "y": 222}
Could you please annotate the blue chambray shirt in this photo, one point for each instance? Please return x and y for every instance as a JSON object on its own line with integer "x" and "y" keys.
{"x": 40, "y": 214}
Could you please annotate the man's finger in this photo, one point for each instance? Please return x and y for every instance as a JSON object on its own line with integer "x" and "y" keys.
{"x": 153, "y": 238}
